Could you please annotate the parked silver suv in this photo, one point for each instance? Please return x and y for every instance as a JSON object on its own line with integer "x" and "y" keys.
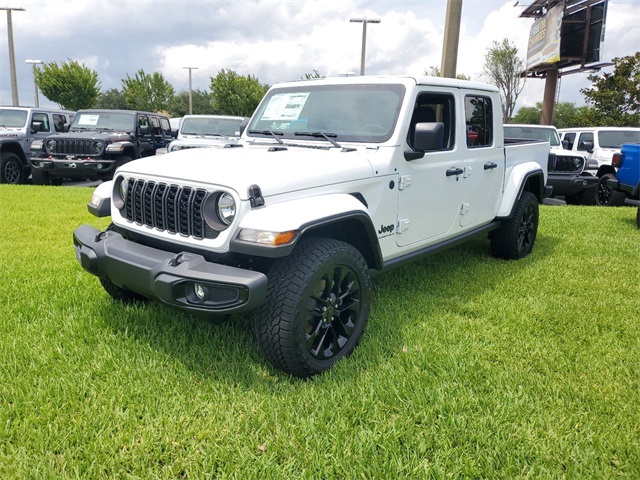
{"x": 19, "y": 127}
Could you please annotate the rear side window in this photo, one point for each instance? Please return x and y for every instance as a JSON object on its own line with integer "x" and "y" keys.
{"x": 479, "y": 121}
{"x": 165, "y": 125}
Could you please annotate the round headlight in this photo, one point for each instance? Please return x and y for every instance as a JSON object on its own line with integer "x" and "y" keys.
{"x": 98, "y": 146}
{"x": 51, "y": 145}
{"x": 120, "y": 192}
{"x": 577, "y": 162}
{"x": 226, "y": 208}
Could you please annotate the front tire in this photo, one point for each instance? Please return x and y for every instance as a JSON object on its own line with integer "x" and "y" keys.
{"x": 515, "y": 238}
{"x": 11, "y": 169}
{"x": 317, "y": 307}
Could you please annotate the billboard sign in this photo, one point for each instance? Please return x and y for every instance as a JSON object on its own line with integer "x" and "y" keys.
{"x": 544, "y": 38}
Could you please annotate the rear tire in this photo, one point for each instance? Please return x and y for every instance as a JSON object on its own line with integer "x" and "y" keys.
{"x": 317, "y": 306}
{"x": 517, "y": 235}
{"x": 605, "y": 196}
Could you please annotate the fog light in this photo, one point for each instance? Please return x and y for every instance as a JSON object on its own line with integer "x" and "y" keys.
{"x": 99, "y": 166}
{"x": 200, "y": 291}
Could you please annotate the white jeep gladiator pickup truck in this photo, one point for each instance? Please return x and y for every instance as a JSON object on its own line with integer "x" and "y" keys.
{"x": 333, "y": 180}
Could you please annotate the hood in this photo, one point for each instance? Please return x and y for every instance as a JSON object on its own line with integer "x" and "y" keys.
{"x": 274, "y": 171}
{"x": 196, "y": 142}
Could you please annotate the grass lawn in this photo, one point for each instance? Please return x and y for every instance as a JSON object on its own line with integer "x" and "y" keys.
{"x": 470, "y": 367}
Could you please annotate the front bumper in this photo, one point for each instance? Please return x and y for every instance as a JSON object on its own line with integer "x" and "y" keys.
{"x": 169, "y": 277}
{"x": 74, "y": 167}
{"x": 570, "y": 184}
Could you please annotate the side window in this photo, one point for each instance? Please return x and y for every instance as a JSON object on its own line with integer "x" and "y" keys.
{"x": 58, "y": 122}
{"x": 570, "y": 139}
{"x": 166, "y": 126}
{"x": 155, "y": 123}
{"x": 143, "y": 121}
{"x": 42, "y": 120}
{"x": 585, "y": 141}
{"x": 479, "y": 121}
{"x": 434, "y": 107}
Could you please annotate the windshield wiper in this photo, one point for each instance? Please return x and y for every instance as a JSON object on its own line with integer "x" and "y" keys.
{"x": 329, "y": 137}
{"x": 268, "y": 132}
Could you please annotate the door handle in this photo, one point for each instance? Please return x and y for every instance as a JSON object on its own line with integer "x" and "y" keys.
{"x": 490, "y": 165}
{"x": 454, "y": 171}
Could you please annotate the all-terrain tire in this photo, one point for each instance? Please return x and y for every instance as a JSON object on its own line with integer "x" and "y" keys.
{"x": 515, "y": 238}
{"x": 318, "y": 304}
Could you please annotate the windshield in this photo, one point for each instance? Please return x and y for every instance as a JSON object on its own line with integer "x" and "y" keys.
{"x": 118, "y": 121}
{"x": 13, "y": 118}
{"x": 346, "y": 113}
{"x": 539, "y": 133}
{"x": 615, "y": 138}
{"x": 229, "y": 127}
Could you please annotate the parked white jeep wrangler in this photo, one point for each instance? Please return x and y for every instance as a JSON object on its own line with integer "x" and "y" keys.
{"x": 332, "y": 180}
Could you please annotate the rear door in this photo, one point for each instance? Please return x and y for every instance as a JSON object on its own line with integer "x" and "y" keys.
{"x": 484, "y": 162}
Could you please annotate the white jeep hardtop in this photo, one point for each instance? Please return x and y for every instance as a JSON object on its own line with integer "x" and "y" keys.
{"x": 332, "y": 180}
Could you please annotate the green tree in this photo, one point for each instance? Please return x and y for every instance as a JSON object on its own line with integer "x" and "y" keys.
{"x": 150, "y": 92}
{"x": 112, "y": 99}
{"x": 565, "y": 115}
{"x": 435, "y": 72}
{"x": 503, "y": 66}
{"x": 70, "y": 85}
{"x": 615, "y": 97}
{"x": 200, "y": 100}
{"x": 234, "y": 94}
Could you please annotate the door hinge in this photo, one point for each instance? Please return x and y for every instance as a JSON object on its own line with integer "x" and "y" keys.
{"x": 404, "y": 182}
{"x": 403, "y": 225}
{"x": 464, "y": 208}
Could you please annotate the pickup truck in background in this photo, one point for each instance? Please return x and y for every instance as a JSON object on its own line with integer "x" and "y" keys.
{"x": 332, "y": 181}
{"x": 566, "y": 170}
{"x": 19, "y": 128}
{"x": 599, "y": 144}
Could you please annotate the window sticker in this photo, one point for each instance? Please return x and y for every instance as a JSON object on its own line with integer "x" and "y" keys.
{"x": 91, "y": 120}
{"x": 285, "y": 107}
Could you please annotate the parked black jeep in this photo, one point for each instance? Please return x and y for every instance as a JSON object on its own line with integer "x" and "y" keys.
{"x": 97, "y": 143}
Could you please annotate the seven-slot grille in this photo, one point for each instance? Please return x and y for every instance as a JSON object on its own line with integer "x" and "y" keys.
{"x": 168, "y": 208}
{"x": 74, "y": 147}
{"x": 565, "y": 164}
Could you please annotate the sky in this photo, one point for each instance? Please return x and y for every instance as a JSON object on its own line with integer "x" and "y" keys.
{"x": 276, "y": 40}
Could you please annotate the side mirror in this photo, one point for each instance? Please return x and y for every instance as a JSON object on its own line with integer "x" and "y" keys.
{"x": 37, "y": 126}
{"x": 429, "y": 136}
{"x": 144, "y": 129}
{"x": 565, "y": 144}
{"x": 588, "y": 146}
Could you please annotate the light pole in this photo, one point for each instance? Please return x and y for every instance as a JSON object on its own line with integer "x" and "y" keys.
{"x": 364, "y": 22}
{"x": 12, "y": 56}
{"x": 190, "y": 97}
{"x": 35, "y": 83}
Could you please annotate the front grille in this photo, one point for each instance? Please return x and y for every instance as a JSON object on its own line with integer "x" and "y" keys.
{"x": 74, "y": 147}
{"x": 168, "y": 208}
{"x": 565, "y": 164}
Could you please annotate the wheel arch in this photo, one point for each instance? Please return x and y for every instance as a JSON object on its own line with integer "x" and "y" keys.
{"x": 522, "y": 179}
{"x": 15, "y": 148}
{"x": 604, "y": 169}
